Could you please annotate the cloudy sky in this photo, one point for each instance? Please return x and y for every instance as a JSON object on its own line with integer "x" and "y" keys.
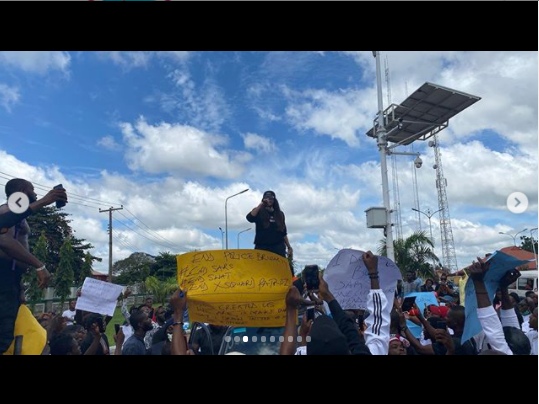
{"x": 171, "y": 134}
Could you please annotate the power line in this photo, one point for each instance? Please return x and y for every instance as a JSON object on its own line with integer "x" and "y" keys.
{"x": 71, "y": 196}
{"x": 110, "y": 212}
{"x": 142, "y": 235}
{"x": 124, "y": 239}
{"x": 122, "y": 242}
{"x": 92, "y": 203}
{"x": 48, "y": 188}
{"x": 149, "y": 231}
{"x": 69, "y": 203}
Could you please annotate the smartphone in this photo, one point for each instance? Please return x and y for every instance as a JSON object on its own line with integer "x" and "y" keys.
{"x": 312, "y": 277}
{"x": 117, "y": 328}
{"x": 310, "y": 314}
{"x": 441, "y": 325}
{"x": 408, "y": 304}
{"x": 60, "y": 204}
{"x": 360, "y": 322}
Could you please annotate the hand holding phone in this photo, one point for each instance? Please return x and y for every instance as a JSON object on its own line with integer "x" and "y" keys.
{"x": 60, "y": 204}
{"x": 312, "y": 277}
{"x": 408, "y": 304}
{"x": 441, "y": 325}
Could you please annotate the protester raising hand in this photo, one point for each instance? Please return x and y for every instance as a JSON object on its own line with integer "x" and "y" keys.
{"x": 479, "y": 269}
{"x": 178, "y": 304}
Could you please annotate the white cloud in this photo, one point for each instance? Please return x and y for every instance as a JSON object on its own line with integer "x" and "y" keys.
{"x": 203, "y": 106}
{"x": 179, "y": 56}
{"x": 320, "y": 219}
{"x": 341, "y": 115}
{"x": 507, "y": 81}
{"x": 37, "y": 61}
{"x": 322, "y": 212}
{"x": 477, "y": 176}
{"x": 135, "y": 59}
{"x": 259, "y": 143}
{"x": 9, "y": 96}
{"x": 129, "y": 58}
{"x": 109, "y": 143}
{"x": 167, "y": 148}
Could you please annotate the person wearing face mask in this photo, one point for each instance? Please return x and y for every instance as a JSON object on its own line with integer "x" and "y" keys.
{"x": 271, "y": 231}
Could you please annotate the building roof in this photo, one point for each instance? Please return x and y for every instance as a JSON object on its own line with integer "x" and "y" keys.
{"x": 519, "y": 254}
{"x": 523, "y": 255}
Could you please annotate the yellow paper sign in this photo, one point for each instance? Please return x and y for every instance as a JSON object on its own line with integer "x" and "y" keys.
{"x": 239, "y": 288}
{"x": 462, "y": 289}
{"x": 34, "y": 336}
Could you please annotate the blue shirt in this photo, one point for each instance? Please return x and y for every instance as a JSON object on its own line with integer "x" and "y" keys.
{"x": 134, "y": 346}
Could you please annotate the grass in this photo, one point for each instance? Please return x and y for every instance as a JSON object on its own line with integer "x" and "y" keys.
{"x": 117, "y": 319}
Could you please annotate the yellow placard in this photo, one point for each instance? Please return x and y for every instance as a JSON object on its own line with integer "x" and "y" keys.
{"x": 462, "y": 290}
{"x": 239, "y": 288}
{"x": 34, "y": 336}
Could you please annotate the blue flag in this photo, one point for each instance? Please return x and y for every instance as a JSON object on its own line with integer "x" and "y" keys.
{"x": 500, "y": 264}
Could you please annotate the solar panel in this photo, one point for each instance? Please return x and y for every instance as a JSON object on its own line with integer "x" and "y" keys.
{"x": 424, "y": 114}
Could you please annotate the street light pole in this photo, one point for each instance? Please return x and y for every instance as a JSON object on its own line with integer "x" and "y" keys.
{"x": 515, "y": 236}
{"x": 222, "y": 238}
{"x": 226, "y": 213}
{"x": 381, "y": 135}
{"x": 239, "y": 235}
{"x": 430, "y": 216}
{"x": 533, "y": 246}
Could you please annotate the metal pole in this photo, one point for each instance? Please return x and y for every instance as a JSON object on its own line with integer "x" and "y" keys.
{"x": 430, "y": 225}
{"x": 222, "y": 238}
{"x": 382, "y": 145}
{"x": 226, "y": 213}
{"x": 109, "y": 211}
{"x": 515, "y": 236}
{"x": 533, "y": 246}
{"x": 239, "y": 234}
{"x": 110, "y": 246}
{"x": 518, "y": 234}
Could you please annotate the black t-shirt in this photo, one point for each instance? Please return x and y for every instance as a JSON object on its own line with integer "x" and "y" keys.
{"x": 101, "y": 350}
{"x": 267, "y": 236}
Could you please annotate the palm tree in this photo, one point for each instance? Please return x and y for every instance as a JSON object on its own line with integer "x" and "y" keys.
{"x": 413, "y": 254}
{"x": 161, "y": 290}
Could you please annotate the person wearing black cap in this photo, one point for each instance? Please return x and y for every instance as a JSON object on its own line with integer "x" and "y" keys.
{"x": 271, "y": 231}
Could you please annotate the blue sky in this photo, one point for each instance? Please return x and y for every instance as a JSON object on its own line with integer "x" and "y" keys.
{"x": 171, "y": 134}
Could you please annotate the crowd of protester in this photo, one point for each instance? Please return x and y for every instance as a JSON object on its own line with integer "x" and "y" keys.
{"x": 509, "y": 322}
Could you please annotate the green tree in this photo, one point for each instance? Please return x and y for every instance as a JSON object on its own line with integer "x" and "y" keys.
{"x": 161, "y": 290}
{"x": 133, "y": 270}
{"x": 34, "y": 293}
{"x": 86, "y": 270}
{"x": 414, "y": 253}
{"x": 65, "y": 274}
{"x": 529, "y": 244}
{"x": 56, "y": 226}
{"x": 165, "y": 266}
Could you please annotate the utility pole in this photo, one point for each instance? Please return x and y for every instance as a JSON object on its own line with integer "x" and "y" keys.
{"x": 381, "y": 134}
{"x": 109, "y": 211}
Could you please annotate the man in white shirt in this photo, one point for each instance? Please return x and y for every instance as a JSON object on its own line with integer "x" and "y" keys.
{"x": 502, "y": 333}
{"x": 532, "y": 334}
{"x": 69, "y": 315}
{"x": 412, "y": 284}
